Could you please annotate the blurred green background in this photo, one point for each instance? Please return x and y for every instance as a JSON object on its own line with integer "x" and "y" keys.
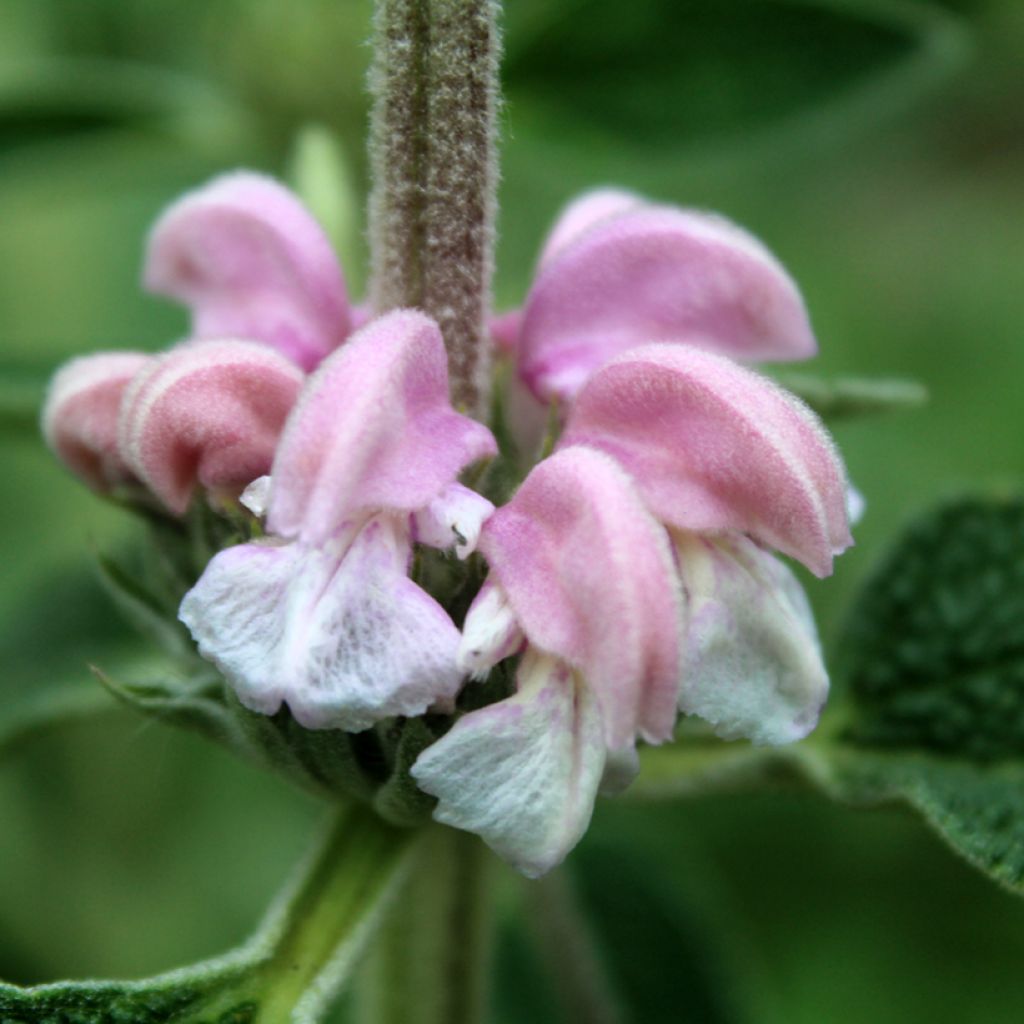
{"x": 878, "y": 148}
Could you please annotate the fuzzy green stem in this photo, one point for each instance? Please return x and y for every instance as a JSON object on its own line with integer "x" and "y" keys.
{"x": 432, "y": 151}
{"x": 431, "y": 959}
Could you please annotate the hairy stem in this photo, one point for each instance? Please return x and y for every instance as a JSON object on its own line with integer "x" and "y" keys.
{"x": 432, "y": 149}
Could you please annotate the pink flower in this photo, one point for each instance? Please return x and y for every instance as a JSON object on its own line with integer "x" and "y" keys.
{"x": 251, "y": 263}
{"x": 733, "y": 466}
{"x": 322, "y": 615}
{"x": 618, "y": 271}
{"x": 632, "y": 565}
{"x": 207, "y": 414}
{"x": 79, "y": 418}
{"x": 582, "y": 575}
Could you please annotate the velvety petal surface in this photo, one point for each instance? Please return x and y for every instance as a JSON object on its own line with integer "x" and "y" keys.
{"x": 589, "y": 575}
{"x": 339, "y": 633}
{"x": 715, "y": 447}
{"x": 80, "y": 414}
{"x": 656, "y": 274}
{"x": 523, "y": 773}
{"x": 582, "y": 213}
{"x": 752, "y": 663}
{"x": 250, "y": 261}
{"x": 373, "y": 429}
{"x": 209, "y": 414}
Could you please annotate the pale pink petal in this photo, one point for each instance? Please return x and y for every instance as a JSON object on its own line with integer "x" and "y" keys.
{"x": 250, "y": 261}
{"x": 523, "y": 773}
{"x": 504, "y": 328}
{"x": 80, "y": 413}
{"x": 373, "y": 429}
{"x": 657, "y": 274}
{"x": 589, "y": 575}
{"x": 490, "y": 633}
{"x": 751, "y": 660}
{"x": 207, "y": 414}
{"x": 713, "y": 447}
{"x": 582, "y": 213}
{"x": 452, "y": 520}
{"x": 339, "y": 633}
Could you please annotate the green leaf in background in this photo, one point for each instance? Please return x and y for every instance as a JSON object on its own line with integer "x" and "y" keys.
{"x": 681, "y": 72}
{"x": 935, "y": 646}
{"x": 290, "y": 971}
{"x": 849, "y": 397}
{"x": 320, "y": 174}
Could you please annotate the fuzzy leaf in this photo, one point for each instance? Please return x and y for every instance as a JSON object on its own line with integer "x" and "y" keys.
{"x": 935, "y": 645}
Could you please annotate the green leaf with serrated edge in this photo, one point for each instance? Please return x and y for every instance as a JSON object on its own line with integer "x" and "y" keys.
{"x": 848, "y": 397}
{"x": 290, "y": 970}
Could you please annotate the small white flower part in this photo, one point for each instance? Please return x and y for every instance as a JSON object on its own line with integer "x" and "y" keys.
{"x": 490, "y": 633}
{"x": 256, "y": 496}
{"x": 752, "y": 664}
{"x": 453, "y": 520}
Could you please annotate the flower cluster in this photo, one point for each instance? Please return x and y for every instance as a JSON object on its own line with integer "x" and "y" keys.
{"x": 630, "y": 577}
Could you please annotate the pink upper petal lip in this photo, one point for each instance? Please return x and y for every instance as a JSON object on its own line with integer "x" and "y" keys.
{"x": 250, "y": 261}
{"x": 714, "y": 447}
{"x": 207, "y": 414}
{"x": 647, "y": 273}
{"x": 589, "y": 575}
{"x": 373, "y": 429}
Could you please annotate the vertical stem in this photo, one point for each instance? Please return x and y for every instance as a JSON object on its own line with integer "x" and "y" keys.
{"x": 398, "y": 138}
{"x": 432, "y": 211}
{"x": 461, "y": 184}
{"x": 431, "y": 959}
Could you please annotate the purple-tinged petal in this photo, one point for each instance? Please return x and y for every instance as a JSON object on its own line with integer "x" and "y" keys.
{"x": 589, "y": 575}
{"x": 208, "y": 414}
{"x": 338, "y": 633}
{"x": 582, "y": 213}
{"x": 715, "y": 447}
{"x": 79, "y": 418}
{"x": 657, "y": 274}
{"x": 250, "y": 261}
{"x": 523, "y": 773}
{"x": 373, "y": 429}
{"x": 751, "y": 660}
{"x": 490, "y": 633}
{"x": 452, "y": 520}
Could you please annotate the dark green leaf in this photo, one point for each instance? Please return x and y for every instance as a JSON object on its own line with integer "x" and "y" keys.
{"x": 935, "y": 647}
{"x": 668, "y": 73}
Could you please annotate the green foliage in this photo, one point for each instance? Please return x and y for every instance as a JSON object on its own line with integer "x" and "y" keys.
{"x": 936, "y": 643}
{"x": 291, "y": 969}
